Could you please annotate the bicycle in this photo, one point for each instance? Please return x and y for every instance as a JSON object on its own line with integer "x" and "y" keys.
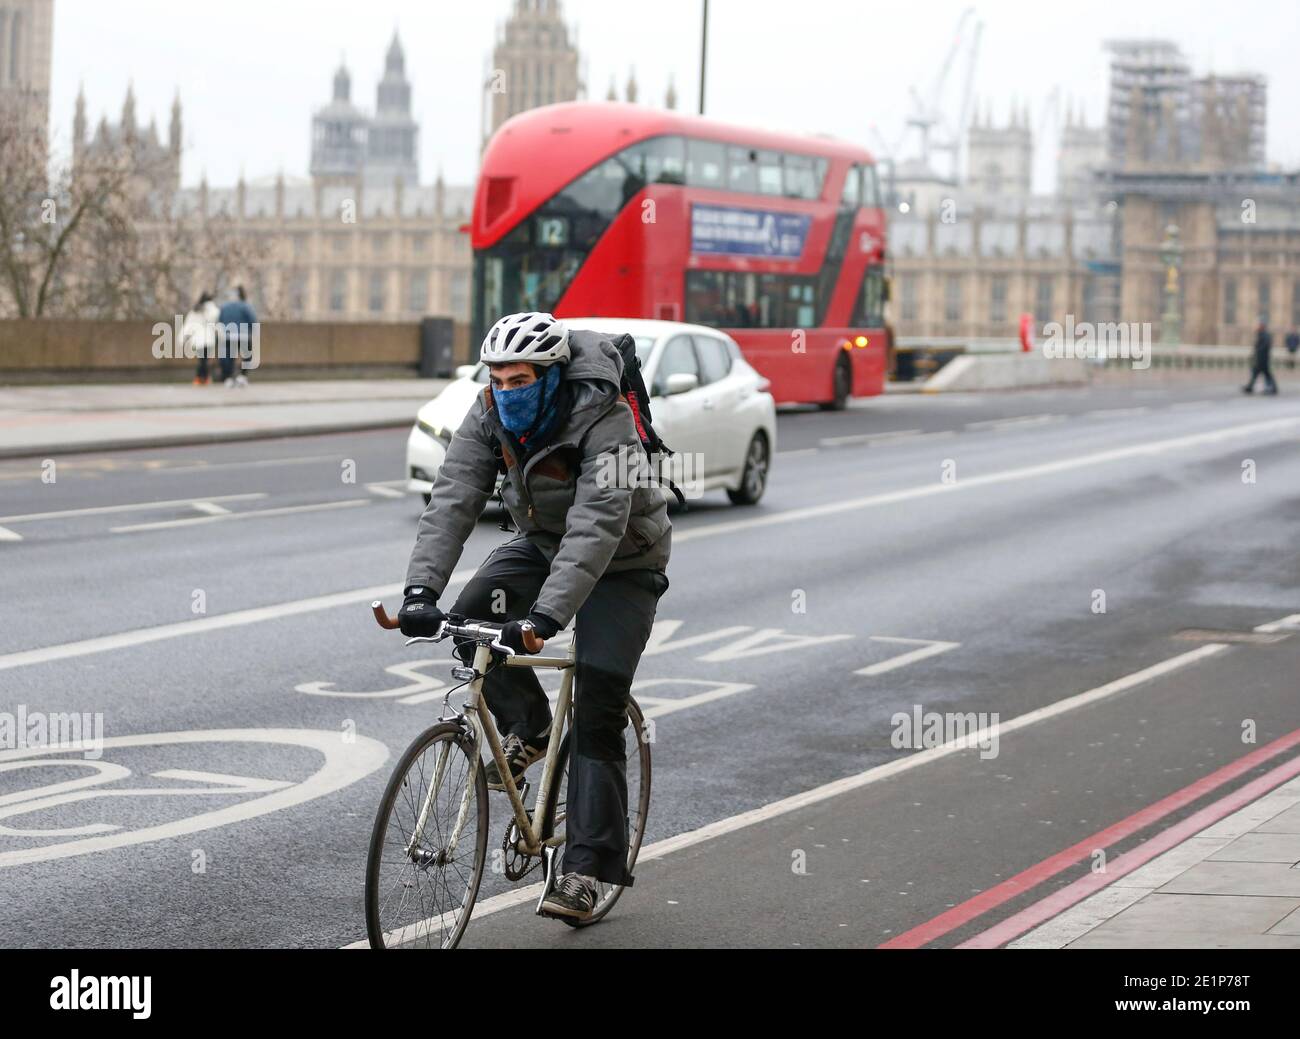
{"x": 441, "y": 811}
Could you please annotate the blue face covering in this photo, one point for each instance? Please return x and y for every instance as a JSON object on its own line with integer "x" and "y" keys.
{"x": 519, "y": 408}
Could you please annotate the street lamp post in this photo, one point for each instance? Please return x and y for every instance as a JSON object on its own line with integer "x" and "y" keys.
{"x": 704, "y": 50}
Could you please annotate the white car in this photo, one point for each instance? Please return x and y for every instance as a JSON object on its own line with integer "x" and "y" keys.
{"x": 709, "y": 406}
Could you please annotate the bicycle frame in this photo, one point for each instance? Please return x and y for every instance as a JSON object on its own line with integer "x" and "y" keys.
{"x": 484, "y": 731}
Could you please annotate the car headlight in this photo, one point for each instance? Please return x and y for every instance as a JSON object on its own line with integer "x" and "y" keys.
{"x": 439, "y": 434}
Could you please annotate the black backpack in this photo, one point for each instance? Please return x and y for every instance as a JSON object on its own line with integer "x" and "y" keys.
{"x": 632, "y": 388}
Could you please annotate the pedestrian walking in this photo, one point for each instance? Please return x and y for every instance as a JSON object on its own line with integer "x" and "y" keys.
{"x": 237, "y": 319}
{"x": 199, "y": 335}
{"x": 1292, "y": 345}
{"x": 1259, "y": 365}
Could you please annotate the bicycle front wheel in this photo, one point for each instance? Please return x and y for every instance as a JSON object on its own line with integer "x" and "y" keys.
{"x": 428, "y": 845}
{"x": 636, "y": 744}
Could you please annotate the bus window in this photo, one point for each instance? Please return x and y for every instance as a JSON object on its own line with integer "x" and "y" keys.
{"x": 801, "y": 302}
{"x": 704, "y": 299}
{"x": 869, "y": 309}
{"x": 871, "y": 188}
{"x": 852, "y": 196}
{"x": 704, "y": 160}
{"x": 769, "y": 173}
{"x": 660, "y": 160}
{"x": 742, "y": 170}
{"x": 678, "y": 358}
{"x": 801, "y": 180}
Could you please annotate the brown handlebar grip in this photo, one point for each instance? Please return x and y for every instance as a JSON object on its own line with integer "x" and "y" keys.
{"x": 381, "y": 615}
{"x": 532, "y": 643}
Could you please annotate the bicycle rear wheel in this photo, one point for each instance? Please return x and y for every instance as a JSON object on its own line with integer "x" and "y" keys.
{"x": 428, "y": 845}
{"x": 637, "y": 746}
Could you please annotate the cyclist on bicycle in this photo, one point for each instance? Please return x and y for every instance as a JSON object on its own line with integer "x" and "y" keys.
{"x": 587, "y": 546}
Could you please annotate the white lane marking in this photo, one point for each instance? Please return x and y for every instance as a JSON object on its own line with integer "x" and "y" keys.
{"x": 344, "y": 764}
{"x": 418, "y": 688}
{"x": 866, "y": 438}
{"x": 1028, "y": 472}
{"x": 237, "y": 618}
{"x": 285, "y": 510}
{"x": 1116, "y": 412}
{"x": 658, "y": 706}
{"x": 661, "y": 637}
{"x": 767, "y": 640}
{"x": 9, "y": 535}
{"x": 130, "y": 638}
{"x": 143, "y": 506}
{"x": 797, "y": 451}
{"x": 203, "y": 467}
{"x": 659, "y": 849}
{"x": 929, "y": 648}
{"x": 1285, "y": 624}
{"x": 211, "y": 508}
{"x": 1015, "y": 422}
{"x": 388, "y": 489}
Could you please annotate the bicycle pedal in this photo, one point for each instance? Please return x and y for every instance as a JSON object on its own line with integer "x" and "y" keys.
{"x": 548, "y": 878}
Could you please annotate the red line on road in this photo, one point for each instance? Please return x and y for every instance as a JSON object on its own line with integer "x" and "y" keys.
{"x": 1059, "y": 901}
{"x": 1029, "y": 878}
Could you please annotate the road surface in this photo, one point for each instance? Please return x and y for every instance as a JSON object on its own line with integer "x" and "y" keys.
{"x": 1015, "y": 557}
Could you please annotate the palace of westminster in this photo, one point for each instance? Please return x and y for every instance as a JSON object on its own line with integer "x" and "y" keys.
{"x": 1175, "y": 175}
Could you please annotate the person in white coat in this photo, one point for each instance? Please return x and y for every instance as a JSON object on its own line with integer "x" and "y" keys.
{"x": 199, "y": 335}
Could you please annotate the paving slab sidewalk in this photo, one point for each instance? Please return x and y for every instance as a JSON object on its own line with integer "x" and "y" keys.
{"x": 49, "y": 420}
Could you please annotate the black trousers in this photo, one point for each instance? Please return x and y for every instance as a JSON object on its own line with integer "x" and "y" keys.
{"x": 611, "y": 630}
{"x": 1258, "y": 368}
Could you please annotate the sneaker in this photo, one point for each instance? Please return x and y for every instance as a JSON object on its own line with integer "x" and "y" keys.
{"x": 198, "y": 380}
{"x": 241, "y": 380}
{"x": 573, "y": 896}
{"x": 519, "y": 755}
{"x": 230, "y": 382}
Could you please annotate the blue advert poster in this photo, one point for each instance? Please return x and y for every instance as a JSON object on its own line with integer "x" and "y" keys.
{"x": 748, "y": 232}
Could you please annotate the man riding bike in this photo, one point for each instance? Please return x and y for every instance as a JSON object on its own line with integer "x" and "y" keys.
{"x": 587, "y": 545}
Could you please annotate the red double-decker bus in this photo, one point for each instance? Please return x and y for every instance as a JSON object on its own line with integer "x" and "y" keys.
{"x": 613, "y": 210}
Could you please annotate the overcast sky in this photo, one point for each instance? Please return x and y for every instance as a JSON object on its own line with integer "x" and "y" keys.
{"x": 251, "y": 72}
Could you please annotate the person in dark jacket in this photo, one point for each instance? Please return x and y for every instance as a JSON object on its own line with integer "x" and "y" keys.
{"x": 236, "y": 319}
{"x": 587, "y": 546}
{"x": 1292, "y": 345}
{"x": 1263, "y": 347}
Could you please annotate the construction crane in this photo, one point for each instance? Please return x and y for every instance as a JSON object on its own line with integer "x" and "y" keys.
{"x": 936, "y": 133}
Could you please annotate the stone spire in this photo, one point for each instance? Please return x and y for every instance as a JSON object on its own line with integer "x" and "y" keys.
{"x": 79, "y": 120}
{"x": 174, "y": 130}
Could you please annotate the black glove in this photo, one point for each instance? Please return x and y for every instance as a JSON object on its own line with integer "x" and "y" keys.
{"x": 512, "y": 633}
{"x": 419, "y": 615}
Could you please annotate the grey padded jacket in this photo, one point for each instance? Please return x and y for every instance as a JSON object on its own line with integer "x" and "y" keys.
{"x": 563, "y": 500}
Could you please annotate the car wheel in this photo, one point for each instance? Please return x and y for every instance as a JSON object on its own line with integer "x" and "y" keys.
{"x": 753, "y": 481}
{"x": 841, "y": 386}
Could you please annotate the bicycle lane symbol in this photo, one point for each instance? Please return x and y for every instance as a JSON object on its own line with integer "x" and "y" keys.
{"x": 343, "y": 765}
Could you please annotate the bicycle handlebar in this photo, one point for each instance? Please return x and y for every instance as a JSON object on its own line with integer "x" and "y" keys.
{"x": 489, "y": 633}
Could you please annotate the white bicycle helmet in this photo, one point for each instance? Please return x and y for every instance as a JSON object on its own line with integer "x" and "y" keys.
{"x": 529, "y": 338}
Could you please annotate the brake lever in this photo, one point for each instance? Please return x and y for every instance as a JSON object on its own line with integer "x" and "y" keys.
{"x": 437, "y": 636}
